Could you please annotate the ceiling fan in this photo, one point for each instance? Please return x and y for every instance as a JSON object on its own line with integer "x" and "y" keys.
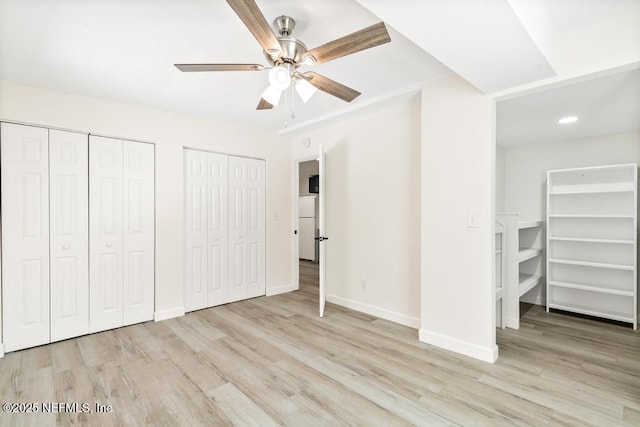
{"x": 286, "y": 54}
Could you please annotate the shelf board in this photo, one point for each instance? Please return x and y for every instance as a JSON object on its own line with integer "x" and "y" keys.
{"x": 622, "y": 317}
{"x": 529, "y": 224}
{"x": 528, "y": 253}
{"x": 597, "y": 216}
{"x": 498, "y": 251}
{"x": 591, "y": 288}
{"x": 592, "y": 264}
{"x": 595, "y": 191}
{"x": 588, "y": 240}
{"x": 527, "y": 282}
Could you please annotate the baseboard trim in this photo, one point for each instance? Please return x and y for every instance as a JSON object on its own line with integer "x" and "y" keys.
{"x": 281, "y": 290}
{"x": 161, "y": 315}
{"x": 1, "y": 349}
{"x": 383, "y": 313}
{"x": 540, "y": 301}
{"x": 463, "y": 347}
{"x": 512, "y": 322}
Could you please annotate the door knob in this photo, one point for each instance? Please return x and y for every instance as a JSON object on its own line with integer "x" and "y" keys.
{"x": 65, "y": 247}
{"x": 109, "y": 245}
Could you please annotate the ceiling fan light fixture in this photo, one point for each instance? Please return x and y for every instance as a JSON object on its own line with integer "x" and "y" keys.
{"x": 279, "y": 77}
{"x": 305, "y": 89}
{"x": 272, "y": 95}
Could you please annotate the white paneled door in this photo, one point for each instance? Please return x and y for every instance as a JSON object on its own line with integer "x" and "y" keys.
{"x": 238, "y": 229}
{"x": 322, "y": 289}
{"x": 25, "y": 236}
{"x": 224, "y": 219}
{"x": 138, "y": 232}
{"x": 105, "y": 230}
{"x": 78, "y": 234}
{"x": 69, "y": 234}
{"x": 196, "y": 257}
{"x": 121, "y": 228}
{"x": 217, "y": 239}
{"x": 255, "y": 214}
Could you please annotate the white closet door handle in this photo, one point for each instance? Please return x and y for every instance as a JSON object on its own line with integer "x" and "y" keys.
{"x": 240, "y": 237}
{"x": 109, "y": 245}
{"x": 65, "y": 247}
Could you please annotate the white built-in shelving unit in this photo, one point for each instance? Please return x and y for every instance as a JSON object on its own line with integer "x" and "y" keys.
{"x": 592, "y": 235}
{"x": 522, "y": 257}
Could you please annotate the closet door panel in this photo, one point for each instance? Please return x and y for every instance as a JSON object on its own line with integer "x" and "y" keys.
{"x": 238, "y": 238}
{"x": 196, "y": 251}
{"x": 138, "y": 232}
{"x": 69, "y": 234}
{"x": 255, "y": 227}
{"x": 25, "y": 235}
{"x": 105, "y": 233}
{"x": 218, "y": 176}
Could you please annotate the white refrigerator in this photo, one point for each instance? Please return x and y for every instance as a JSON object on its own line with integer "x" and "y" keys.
{"x": 308, "y": 224}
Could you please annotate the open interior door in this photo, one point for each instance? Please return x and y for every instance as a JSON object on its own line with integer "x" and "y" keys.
{"x": 322, "y": 231}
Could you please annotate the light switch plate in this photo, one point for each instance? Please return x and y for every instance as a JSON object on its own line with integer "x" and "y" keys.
{"x": 472, "y": 220}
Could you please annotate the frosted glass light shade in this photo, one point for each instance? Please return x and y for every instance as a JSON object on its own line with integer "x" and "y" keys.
{"x": 279, "y": 77}
{"x": 305, "y": 89}
{"x": 272, "y": 95}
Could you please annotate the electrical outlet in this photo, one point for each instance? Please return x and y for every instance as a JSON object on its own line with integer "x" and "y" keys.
{"x": 363, "y": 286}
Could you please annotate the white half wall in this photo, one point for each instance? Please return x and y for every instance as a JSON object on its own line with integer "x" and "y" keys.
{"x": 525, "y": 173}
{"x": 373, "y": 210}
{"x": 170, "y": 132}
{"x": 500, "y": 194}
{"x": 458, "y": 154}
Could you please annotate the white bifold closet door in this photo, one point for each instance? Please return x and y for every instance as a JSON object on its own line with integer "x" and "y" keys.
{"x": 69, "y": 234}
{"x": 44, "y": 234}
{"x": 219, "y": 191}
{"x": 246, "y": 227}
{"x": 25, "y": 236}
{"x": 121, "y": 224}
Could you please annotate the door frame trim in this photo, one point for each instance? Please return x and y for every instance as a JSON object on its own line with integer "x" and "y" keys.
{"x": 295, "y": 194}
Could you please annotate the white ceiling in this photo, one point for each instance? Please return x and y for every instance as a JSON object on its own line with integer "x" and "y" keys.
{"x": 605, "y": 105}
{"x": 501, "y": 44}
{"x": 481, "y": 40}
{"x": 124, "y": 50}
{"x": 567, "y": 15}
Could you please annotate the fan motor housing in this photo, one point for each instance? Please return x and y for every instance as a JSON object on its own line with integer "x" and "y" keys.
{"x": 292, "y": 50}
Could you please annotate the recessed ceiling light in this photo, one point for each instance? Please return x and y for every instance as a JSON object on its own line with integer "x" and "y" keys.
{"x": 569, "y": 119}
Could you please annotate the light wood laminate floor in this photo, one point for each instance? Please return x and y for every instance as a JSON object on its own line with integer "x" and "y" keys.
{"x": 270, "y": 361}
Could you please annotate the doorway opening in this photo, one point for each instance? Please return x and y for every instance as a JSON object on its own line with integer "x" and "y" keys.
{"x": 558, "y": 151}
{"x": 308, "y": 227}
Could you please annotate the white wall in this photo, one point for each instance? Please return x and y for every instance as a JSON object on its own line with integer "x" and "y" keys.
{"x": 500, "y": 171}
{"x": 307, "y": 169}
{"x": 373, "y": 211}
{"x": 526, "y": 173}
{"x": 458, "y": 155}
{"x": 170, "y": 132}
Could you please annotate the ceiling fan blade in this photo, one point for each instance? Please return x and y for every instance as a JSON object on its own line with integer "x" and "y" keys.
{"x": 263, "y": 105}
{"x": 369, "y": 37}
{"x": 331, "y": 87}
{"x": 219, "y": 67}
{"x": 252, "y": 17}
